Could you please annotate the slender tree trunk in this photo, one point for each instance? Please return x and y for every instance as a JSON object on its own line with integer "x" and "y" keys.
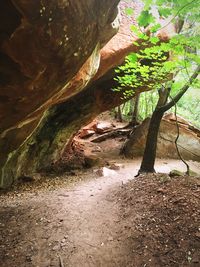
{"x": 123, "y": 107}
{"x": 134, "y": 120}
{"x": 119, "y": 114}
{"x": 146, "y": 105}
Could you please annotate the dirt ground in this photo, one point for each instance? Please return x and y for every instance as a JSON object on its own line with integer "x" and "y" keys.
{"x": 161, "y": 217}
{"x": 102, "y": 217}
{"x": 92, "y": 221}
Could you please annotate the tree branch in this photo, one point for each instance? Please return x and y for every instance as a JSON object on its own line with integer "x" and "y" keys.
{"x": 182, "y": 91}
{"x": 177, "y": 14}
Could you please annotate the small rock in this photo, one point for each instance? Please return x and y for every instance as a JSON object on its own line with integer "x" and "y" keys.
{"x": 175, "y": 173}
{"x": 99, "y": 172}
{"x": 115, "y": 167}
{"x": 110, "y": 238}
{"x": 161, "y": 190}
{"x": 96, "y": 149}
{"x": 28, "y": 258}
{"x": 103, "y": 126}
{"x": 197, "y": 234}
{"x": 57, "y": 247}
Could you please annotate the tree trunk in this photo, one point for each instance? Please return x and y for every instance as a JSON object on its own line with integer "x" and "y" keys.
{"x": 149, "y": 156}
{"x": 148, "y": 160}
{"x": 134, "y": 120}
{"x": 118, "y": 114}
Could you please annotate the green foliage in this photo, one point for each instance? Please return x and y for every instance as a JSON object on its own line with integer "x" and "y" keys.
{"x": 147, "y": 104}
{"x": 187, "y": 107}
{"x": 164, "y": 12}
{"x": 129, "y": 11}
{"x": 158, "y": 63}
{"x": 145, "y": 68}
{"x": 145, "y": 18}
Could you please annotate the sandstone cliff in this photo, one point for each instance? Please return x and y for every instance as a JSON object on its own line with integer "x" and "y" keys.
{"x": 43, "y": 46}
{"x": 50, "y": 52}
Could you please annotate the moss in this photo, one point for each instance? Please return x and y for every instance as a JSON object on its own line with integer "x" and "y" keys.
{"x": 174, "y": 173}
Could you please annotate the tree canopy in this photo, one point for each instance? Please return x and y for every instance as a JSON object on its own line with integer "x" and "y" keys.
{"x": 169, "y": 66}
{"x": 162, "y": 62}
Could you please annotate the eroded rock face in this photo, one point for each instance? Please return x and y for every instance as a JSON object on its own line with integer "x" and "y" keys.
{"x": 54, "y": 134}
{"x": 55, "y": 52}
{"x": 43, "y": 45}
{"x": 42, "y": 49}
{"x": 122, "y": 43}
{"x": 188, "y": 142}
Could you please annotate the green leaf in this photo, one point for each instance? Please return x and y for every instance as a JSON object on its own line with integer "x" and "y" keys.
{"x": 164, "y": 12}
{"x": 148, "y": 4}
{"x": 154, "y": 40}
{"x": 134, "y": 29}
{"x": 132, "y": 57}
{"x": 155, "y": 28}
{"x": 145, "y": 18}
{"x": 136, "y": 43}
{"x": 143, "y": 36}
{"x": 129, "y": 11}
{"x": 160, "y": 2}
{"x": 169, "y": 66}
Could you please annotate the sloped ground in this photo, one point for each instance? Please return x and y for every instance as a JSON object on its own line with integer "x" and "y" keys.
{"x": 103, "y": 221}
{"x": 161, "y": 219}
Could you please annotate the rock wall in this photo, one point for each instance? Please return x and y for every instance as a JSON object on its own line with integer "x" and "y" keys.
{"x": 49, "y": 50}
{"x": 59, "y": 125}
{"x": 44, "y": 49}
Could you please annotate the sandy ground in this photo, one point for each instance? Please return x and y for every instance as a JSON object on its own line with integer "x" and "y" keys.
{"x": 77, "y": 222}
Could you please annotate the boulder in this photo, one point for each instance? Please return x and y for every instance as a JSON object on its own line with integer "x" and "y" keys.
{"x": 104, "y": 127}
{"x": 188, "y": 142}
{"x": 86, "y": 133}
{"x": 87, "y": 130}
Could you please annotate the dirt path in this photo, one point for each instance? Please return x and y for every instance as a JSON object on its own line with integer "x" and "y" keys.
{"x": 79, "y": 222}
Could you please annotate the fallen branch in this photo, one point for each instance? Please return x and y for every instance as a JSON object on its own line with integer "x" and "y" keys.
{"x": 61, "y": 261}
{"x": 112, "y": 134}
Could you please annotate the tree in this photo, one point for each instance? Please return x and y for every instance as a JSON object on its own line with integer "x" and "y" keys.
{"x": 148, "y": 160}
{"x": 134, "y": 119}
{"x": 159, "y": 65}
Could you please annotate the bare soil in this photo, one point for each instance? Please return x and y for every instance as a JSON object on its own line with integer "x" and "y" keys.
{"x": 161, "y": 220}
{"x": 117, "y": 220}
{"x": 84, "y": 219}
